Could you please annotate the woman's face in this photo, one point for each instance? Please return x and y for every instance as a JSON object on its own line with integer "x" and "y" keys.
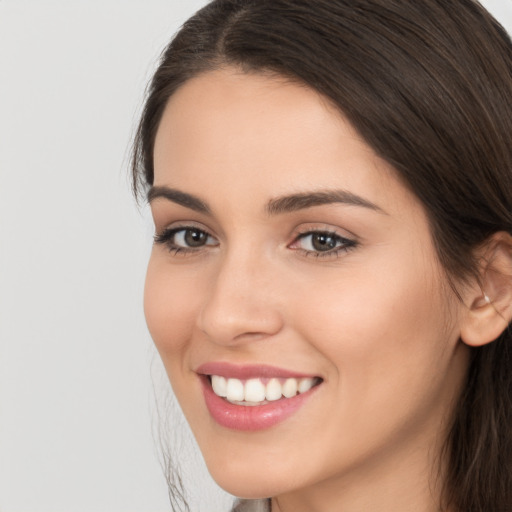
{"x": 288, "y": 254}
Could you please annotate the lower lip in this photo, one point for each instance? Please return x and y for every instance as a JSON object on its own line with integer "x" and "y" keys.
{"x": 255, "y": 417}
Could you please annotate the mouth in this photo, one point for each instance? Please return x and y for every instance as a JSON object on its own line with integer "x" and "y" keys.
{"x": 260, "y": 391}
{"x": 253, "y": 397}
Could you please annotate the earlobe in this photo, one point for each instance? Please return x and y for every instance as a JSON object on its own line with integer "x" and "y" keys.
{"x": 490, "y": 302}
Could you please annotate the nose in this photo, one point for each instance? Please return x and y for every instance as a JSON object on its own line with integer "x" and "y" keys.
{"x": 242, "y": 302}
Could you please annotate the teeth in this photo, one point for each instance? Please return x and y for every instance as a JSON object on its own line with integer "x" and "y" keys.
{"x": 274, "y": 390}
{"x": 290, "y": 388}
{"x": 305, "y": 385}
{"x": 235, "y": 390}
{"x": 254, "y": 391}
{"x": 219, "y": 385}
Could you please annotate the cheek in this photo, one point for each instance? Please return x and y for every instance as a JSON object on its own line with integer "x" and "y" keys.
{"x": 375, "y": 328}
{"x": 389, "y": 354}
{"x": 170, "y": 307}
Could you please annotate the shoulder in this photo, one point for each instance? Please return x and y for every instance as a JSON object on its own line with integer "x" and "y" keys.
{"x": 252, "y": 506}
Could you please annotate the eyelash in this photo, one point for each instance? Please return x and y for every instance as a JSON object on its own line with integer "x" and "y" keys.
{"x": 343, "y": 244}
{"x": 166, "y": 237}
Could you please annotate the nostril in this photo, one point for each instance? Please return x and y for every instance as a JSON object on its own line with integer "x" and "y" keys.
{"x": 231, "y": 324}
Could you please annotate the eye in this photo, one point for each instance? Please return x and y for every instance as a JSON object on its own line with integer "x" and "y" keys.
{"x": 187, "y": 239}
{"x": 322, "y": 243}
{"x": 190, "y": 238}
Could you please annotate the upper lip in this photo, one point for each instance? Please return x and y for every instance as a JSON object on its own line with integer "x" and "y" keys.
{"x": 251, "y": 371}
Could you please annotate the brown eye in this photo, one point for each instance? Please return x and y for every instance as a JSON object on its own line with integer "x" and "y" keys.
{"x": 185, "y": 239}
{"x": 194, "y": 237}
{"x": 323, "y": 241}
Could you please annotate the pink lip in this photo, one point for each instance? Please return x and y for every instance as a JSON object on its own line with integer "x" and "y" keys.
{"x": 249, "y": 418}
{"x": 244, "y": 372}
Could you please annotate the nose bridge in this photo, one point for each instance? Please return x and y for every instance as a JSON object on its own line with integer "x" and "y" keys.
{"x": 239, "y": 304}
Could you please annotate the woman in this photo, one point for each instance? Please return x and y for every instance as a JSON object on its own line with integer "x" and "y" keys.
{"x": 330, "y": 286}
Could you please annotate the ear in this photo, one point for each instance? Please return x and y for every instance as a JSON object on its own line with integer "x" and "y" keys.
{"x": 489, "y": 301}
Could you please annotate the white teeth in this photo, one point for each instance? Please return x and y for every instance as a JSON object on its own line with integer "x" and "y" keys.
{"x": 254, "y": 391}
{"x": 235, "y": 390}
{"x": 273, "y": 390}
{"x": 290, "y": 388}
{"x": 305, "y": 385}
{"x": 219, "y": 385}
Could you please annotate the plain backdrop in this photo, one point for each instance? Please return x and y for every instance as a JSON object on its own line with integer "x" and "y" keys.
{"x": 77, "y": 415}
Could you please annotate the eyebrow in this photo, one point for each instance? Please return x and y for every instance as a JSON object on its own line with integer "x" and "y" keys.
{"x": 178, "y": 197}
{"x": 279, "y": 205}
{"x": 304, "y": 200}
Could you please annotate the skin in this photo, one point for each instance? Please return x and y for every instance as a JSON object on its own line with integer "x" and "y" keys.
{"x": 377, "y": 321}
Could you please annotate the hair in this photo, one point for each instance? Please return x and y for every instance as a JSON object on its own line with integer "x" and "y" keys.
{"x": 428, "y": 85}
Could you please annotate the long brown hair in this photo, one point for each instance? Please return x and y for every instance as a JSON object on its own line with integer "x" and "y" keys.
{"x": 428, "y": 85}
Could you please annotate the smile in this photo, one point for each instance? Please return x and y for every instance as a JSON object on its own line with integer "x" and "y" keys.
{"x": 259, "y": 391}
{"x": 253, "y": 398}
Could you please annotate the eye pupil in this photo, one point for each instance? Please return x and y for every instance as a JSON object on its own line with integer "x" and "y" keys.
{"x": 195, "y": 237}
{"x": 323, "y": 242}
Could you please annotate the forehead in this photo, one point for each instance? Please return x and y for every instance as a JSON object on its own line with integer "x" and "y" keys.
{"x": 260, "y": 135}
{"x": 227, "y": 109}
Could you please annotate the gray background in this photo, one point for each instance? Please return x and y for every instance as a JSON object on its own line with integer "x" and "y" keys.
{"x": 76, "y": 363}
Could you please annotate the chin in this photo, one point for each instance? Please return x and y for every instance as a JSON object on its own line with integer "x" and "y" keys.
{"x": 248, "y": 480}
{"x": 247, "y": 489}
